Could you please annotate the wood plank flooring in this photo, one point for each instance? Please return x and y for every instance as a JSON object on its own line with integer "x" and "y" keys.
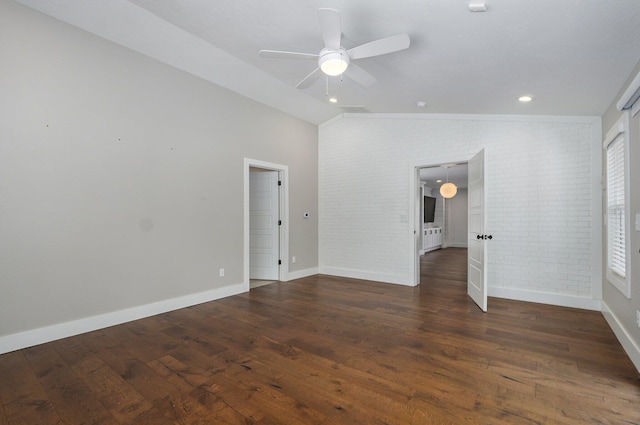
{"x": 326, "y": 350}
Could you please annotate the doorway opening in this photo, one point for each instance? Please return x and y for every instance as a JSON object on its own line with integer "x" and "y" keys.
{"x": 476, "y": 218}
{"x": 443, "y": 222}
{"x": 266, "y": 226}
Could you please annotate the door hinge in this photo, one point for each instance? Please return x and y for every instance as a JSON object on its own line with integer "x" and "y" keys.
{"x": 279, "y": 222}
{"x": 279, "y": 182}
{"x": 279, "y": 262}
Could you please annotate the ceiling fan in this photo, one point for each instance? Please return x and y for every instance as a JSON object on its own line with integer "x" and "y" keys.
{"x": 334, "y": 59}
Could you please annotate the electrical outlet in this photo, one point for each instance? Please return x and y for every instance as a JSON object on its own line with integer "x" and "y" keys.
{"x": 293, "y": 259}
{"x": 221, "y": 272}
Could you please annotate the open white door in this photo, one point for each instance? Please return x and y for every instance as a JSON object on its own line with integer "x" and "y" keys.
{"x": 263, "y": 225}
{"x": 417, "y": 226}
{"x": 477, "y": 258}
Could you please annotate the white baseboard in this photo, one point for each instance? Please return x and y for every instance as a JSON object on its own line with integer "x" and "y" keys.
{"x": 299, "y": 274}
{"x": 33, "y": 337}
{"x": 546, "y": 298}
{"x": 458, "y": 245}
{"x": 630, "y": 346}
{"x": 360, "y": 274}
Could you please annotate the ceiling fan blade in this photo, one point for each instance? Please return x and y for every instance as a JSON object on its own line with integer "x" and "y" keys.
{"x": 383, "y": 46}
{"x": 330, "y": 28}
{"x": 309, "y": 79}
{"x": 360, "y": 76}
{"x": 278, "y": 54}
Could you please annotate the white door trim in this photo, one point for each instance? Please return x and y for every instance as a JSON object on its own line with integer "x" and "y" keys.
{"x": 414, "y": 203}
{"x": 283, "y": 175}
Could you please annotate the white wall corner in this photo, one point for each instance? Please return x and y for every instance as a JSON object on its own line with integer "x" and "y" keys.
{"x": 331, "y": 121}
{"x": 33, "y": 337}
{"x": 630, "y": 346}
{"x": 596, "y": 210}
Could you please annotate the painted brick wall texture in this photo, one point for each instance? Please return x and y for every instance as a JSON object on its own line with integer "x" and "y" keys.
{"x": 538, "y": 205}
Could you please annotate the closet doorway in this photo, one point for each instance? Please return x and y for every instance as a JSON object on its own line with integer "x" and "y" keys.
{"x": 266, "y": 226}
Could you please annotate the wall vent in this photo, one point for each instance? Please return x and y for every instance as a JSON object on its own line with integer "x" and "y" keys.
{"x": 355, "y": 109}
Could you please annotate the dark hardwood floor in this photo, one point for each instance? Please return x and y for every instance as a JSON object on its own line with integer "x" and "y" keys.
{"x": 326, "y": 350}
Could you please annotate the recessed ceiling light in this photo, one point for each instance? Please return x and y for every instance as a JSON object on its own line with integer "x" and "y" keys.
{"x": 333, "y": 100}
{"x": 439, "y": 181}
{"x": 421, "y": 104}
{"x": 525, "y": 98}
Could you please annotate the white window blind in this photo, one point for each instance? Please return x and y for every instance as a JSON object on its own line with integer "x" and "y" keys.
{"x": 616, "y": 255}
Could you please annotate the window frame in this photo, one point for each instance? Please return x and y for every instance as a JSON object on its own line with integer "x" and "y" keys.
{"x": 618, "y": 133}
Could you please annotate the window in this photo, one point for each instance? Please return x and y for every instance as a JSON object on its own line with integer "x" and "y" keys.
{"x": 615, "y": 144}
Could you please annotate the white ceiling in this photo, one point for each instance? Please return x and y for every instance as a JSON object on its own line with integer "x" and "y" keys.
{"x": 571, "y": 55}
{"x": 454, "y": 173}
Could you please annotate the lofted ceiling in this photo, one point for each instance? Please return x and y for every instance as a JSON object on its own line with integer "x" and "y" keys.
{"x": 572, "y": 56}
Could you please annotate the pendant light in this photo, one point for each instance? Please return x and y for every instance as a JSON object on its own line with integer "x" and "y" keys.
{"x": 448, "y": 190}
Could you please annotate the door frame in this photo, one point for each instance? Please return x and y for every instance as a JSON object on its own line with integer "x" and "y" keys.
{"x": 283, "y": 206}
{"x": 414, "y": 208}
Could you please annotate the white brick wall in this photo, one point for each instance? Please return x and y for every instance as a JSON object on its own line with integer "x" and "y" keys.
{"x": 539, "y": 195}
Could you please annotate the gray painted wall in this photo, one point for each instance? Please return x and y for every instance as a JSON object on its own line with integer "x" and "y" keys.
{"x": 457, "y": 209}
{"x": 121, "y": 178}
{"x": 622, "y": 308}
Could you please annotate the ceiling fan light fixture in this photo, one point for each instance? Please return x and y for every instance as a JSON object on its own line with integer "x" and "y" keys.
{"x": 334, "y": 63}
